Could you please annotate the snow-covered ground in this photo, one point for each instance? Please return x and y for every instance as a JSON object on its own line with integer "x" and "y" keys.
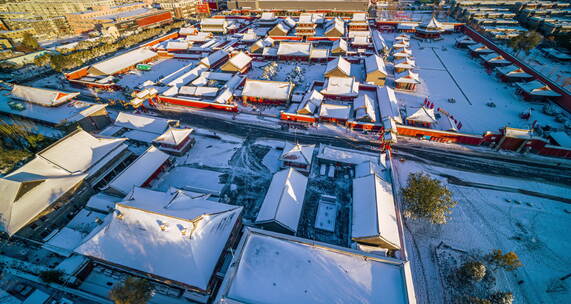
{"x": 533, "y": 227}
{"x": 160, "y": 69}
{"x": 311, "y": 72}
{"x": 447, "y": 72}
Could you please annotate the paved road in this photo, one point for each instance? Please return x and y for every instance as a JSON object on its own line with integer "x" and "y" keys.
{"x": 473, "y": 161}
{"x": 488, "y": 163}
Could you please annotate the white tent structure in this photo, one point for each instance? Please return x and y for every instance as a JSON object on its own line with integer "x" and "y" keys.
{"x": 282, "y": 205}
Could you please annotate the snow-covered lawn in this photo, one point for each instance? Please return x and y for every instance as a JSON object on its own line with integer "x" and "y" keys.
{"x": 536, "y": 229}
{"x": 311, "y": 72}
{"x": 447, "y": 72}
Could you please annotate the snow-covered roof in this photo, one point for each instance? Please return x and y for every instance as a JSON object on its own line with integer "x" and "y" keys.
{"x": 336, "y": 25}
{"x": 173, "y": 136}
{"x": 268, "y": 16}
{"x": 407, "y": 76}
{"x": 407, "y": 25}
{"x": 374, "y": 214}
{"x": 294, "y": 49}
{"x": 404, "y": 52}
{"x": 341, "y": 86}
{"x": 70, "y": 112}
{"x": 214, "y": 58}
{"x": 367, "y": 168}
{"x": 561, "y": 138}
{"x": 306, "y": 18}
{"x": 359, "y": 17}
{"x": 379, "y": 41}
{"x": 199, "y": 91}
{"x": 375, "y": 63}
{"x": 168, "y": 235}
{"x": 447, "y": 124}
{"x": 40, "y": 96}
{"x": 361, "y": 41}
{"x": 199, "y": 37}
{"x": 249, "y": 36}
{"x": 54, "y": 171}
{"x": 38, "y": 296}
{"x": 340, "y": 44}
{"x": 190, "y": 30}
{"x": 495, "y": 58}
{"x": 318, "y": 53}
{"x": 213, "y": 21}
{"x": 336, "y": 111}
{"x": 465, "y": 40}
{"x": 297, "y": 153}
{"x": 479, "y": 48}
{"x": 404, "y": 63}
{"x": 121, "y": 62}
{"x": 339, "y": 63}
{"x": 538, "y": 88}
{"x": 177, "y": 45}
{"x": 80, "y": 151}
{"x": 143, "y": 123}
{"x": 364, "y": 108}
{"x": 400, "y": 44}
{"x": 273, "y": 268}
{"x": 139, "y": 171}
{"x": 101, "y": 202}
{"x": 518, "y": 133}
{"x": 513, "y": 71}
{"x": 284, "y": 200}
{"x": 388, "y": 104}
{"x": 224, "y": 97}
{"x": 432, "y": 24}
{"x": 69, "y": 237}
{"x": 346, "y": 156}
{"x": 311, "y": 101}
{"x": 424, "y": 115}
{"x": 289, "y": 21}
{"x": 276, "y": 90}
{"x": 282, "y": 27}
{"x": 240, "y": 60}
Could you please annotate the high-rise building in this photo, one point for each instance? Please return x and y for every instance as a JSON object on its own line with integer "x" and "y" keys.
{"x": 182, "y": 9}
{"x": 342, "y": 5}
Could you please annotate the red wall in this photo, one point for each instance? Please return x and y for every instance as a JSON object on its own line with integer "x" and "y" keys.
{"x": 441, "y": 136}
{"x": 297, "y": 117}
{"x": 198, "y": 104}
{"x": 161, "y": 39}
